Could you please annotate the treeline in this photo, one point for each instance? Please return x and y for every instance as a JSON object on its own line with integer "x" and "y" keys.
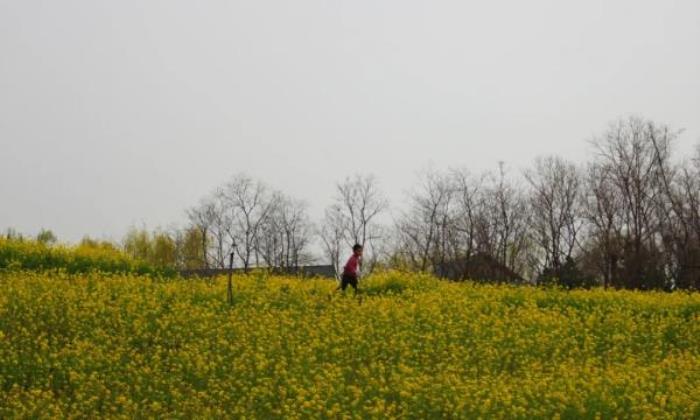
{"x": 629, "y": 218}
{"x": 43, "y": 254}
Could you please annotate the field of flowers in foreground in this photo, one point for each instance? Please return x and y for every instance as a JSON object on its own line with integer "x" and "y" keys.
{"x": 91, "y": 346}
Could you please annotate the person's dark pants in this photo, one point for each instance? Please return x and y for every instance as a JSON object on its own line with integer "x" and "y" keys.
{"x": 348, "y": 279}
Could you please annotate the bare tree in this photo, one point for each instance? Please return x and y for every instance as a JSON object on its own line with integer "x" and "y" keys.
{"x": 554, "y": 202}
{"x": 469, "y": 203}
{"x": 211, "y": 218}
{"x": 358, "y": 203}
{"x": 285, "y": 234}
{"x": 633, "y": 164}
{"x": 332, "y": 234}
{"x": 681, "y": 232}
{"x": 423, "y": 230}
{"x": 508, "y": 211}
{"x": 247, "y": 205}
{"x": 260, "y": 227}
{"x": 604, "y": 223}
{"x": 678, "y": 210}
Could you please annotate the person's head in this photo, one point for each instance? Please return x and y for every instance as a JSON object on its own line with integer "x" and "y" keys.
{"x": 357, "y": 250}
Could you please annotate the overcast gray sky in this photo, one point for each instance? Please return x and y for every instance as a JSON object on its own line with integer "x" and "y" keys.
{"x": 114, "y": 113}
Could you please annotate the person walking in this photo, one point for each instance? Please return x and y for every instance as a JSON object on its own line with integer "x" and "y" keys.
{"x": 351, "y": 269}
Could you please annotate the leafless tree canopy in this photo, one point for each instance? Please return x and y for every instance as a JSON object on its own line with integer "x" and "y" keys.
{"x": 332, "y": 236}
{"x": 285, "y": 234}
{"x": 260, "y": 226}
{"x": 353, "y": 219}
{"x": 453, "y": 215}
{"x": 626, "y": 207}
{"x": 556, "y": 217}
{"x": 630, "y": 217}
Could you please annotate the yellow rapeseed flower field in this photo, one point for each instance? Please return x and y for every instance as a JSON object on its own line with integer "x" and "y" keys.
{"x": 115, "y": 346}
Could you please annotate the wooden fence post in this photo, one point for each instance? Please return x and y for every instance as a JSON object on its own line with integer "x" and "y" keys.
{"x": 230, "y": 284}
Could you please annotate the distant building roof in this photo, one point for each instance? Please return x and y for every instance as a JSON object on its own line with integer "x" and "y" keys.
{"x": 304, "y": 271}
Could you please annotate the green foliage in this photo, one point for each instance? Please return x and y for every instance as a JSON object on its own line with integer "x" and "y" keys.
{"x": 137, "y": 244}
{"x": 164, "y": 250}
{"x": 46, "y": 236}
{"x": 11, "y": 233}
{"x": 158, "y": 248}
{"x": 88, "y": 256}
{"x": 190, "y": 249}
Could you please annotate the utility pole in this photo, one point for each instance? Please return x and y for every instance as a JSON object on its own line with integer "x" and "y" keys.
{"x": 230, "y": 283}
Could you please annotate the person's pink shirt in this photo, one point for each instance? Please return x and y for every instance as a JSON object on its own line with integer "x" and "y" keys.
{"x": 352, "y": 265}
